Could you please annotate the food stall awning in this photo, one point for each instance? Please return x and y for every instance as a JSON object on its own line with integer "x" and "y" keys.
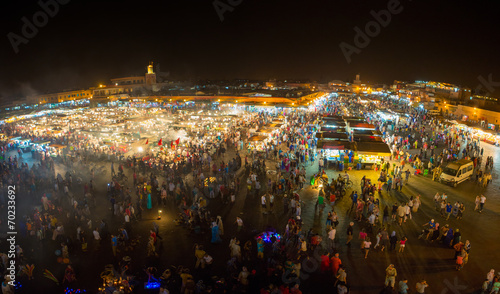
{"x": 333, "y": 124}
{"x": 358, "y": 132}
{"x": 331, "y": 135}
{"x": 367, "y": 138}
{"x": 41, "y": 143}
{"x": 257, "y": 138}
{"x": 57, "y": 146}
{"x": 329, "y": 116}
{"x": 373, "y": 148}
{"x": 352, "y": 120}
{"x": 265, "y": 130}
{"x": 333, "y": 119}
{"x": 334, "y": 144}
{"x": 364, "y": 126}
{"x": 328, "y": 129}
{"x": 272, "y": 125}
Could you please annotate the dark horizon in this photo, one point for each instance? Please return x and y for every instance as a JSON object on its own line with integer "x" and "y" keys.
{"x": 87, "y": 43}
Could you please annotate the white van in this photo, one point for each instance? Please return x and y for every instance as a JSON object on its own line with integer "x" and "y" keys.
{"x": 456, "y": 172}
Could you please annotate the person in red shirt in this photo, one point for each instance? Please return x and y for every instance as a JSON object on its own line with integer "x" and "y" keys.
{"x": 153, "y": 235}
{"x": 284, "y": 289}
{"x": 332, "y": 199}
{"x": 325, "y": 262}
{"x": 335, "y": 262}
{"x": 295, "y": 290}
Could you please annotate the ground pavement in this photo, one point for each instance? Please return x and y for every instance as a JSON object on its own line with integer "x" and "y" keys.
{"x": 420, "y": 259}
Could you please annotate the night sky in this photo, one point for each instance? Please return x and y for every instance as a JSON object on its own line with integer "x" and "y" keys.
{"x": 88, "y": 42}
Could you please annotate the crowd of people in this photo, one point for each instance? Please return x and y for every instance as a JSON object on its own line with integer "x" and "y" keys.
{"x": 208, "y": 178}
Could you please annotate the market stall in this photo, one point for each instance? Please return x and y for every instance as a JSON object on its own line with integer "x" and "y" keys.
{"x": 257, "y": 142}
{"x": 370, "y": 154}
{"x": 55, "y": 150}
{"x": 337, "y": 152}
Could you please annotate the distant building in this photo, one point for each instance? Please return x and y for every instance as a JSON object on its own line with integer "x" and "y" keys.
{"x": 63, "y": 96}
{"x": 128, "y": 86}
{"x": 287, "y": 85}
{"x": 128, "y": 81}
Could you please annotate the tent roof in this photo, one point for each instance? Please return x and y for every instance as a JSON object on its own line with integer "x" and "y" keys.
{"x": 330, "y": 129}
{"x": 257, "y": 138}
{"x": 272, "y": 125}
{"x": 333, "y": 118}
{"x": 265, "y": 130}
{"x": 362, "y": 126}
{"x": 366, "y": 132}
{"x": 333, "y": 123}
{"x": 373, "y": 148}
{"x": 331, "y": 135}
{"x": 334, "y": 144}
{"x": 367, "y": 138}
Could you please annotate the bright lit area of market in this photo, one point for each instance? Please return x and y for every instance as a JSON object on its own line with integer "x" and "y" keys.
{"x": 328, "y": 192}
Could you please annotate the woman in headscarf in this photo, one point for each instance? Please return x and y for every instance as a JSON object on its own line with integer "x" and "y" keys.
{"x": 393, "y": 240}
{"x": 220, "y": 225}
{"x": 416, "y": 204}
{"x": 215, "y": 233}
{"x": 449, "y": 238}
{"x": 149, "y": 204}
{"x": 243, "y": 277}
{"x": 151, "y": 249}
{"x": 69, "y": 275}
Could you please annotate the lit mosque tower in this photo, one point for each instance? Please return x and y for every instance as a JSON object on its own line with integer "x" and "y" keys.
{"x": 150, "y": 75}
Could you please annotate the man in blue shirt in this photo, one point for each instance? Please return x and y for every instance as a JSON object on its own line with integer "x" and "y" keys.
{"x": 114, "y": 244}
{"x": 403, "y": 286}
{"x": 354, "y": 200}
{"x": 449, "y": 207}
{"x": 431, "y": 224}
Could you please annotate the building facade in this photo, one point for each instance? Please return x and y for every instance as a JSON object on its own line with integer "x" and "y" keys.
{"x": 63, "y": 96}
